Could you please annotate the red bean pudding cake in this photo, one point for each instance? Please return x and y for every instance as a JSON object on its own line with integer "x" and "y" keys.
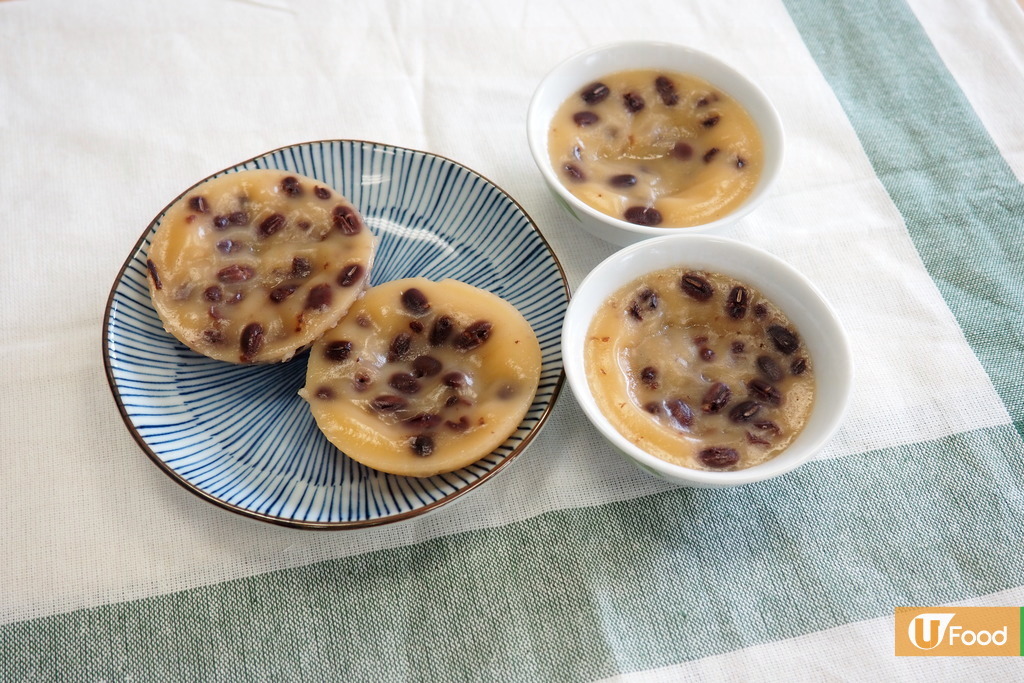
{"x": 699, "y": 369}
{"x": 656, "y": 148}
{"x": 253, "y": 266}
{"x": 423, "y": 377}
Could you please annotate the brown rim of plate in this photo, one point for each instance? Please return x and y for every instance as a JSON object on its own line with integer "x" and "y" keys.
{"x": 286, "y": 521}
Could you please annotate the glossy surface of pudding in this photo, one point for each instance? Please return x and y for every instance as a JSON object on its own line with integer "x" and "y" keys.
{"x": 423, "y": 377}
{"x": 699, "y": 370}
{"x": 253, "y": 266}
{"x": 656, "y": 148}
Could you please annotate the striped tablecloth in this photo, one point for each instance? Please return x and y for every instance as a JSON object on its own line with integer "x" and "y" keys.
{"x": 901, "y": 198}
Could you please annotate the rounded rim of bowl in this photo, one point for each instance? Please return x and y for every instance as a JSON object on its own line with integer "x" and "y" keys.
{"x": 537, "y": 137}
{"x": 824, "y": 313}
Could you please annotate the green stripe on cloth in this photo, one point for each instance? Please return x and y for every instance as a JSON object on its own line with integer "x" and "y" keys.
{"x": 580, "y": 594}
{"x": 961, "y": 203}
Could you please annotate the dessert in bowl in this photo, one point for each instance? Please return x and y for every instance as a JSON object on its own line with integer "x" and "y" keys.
{"x": 638, "y": 139}
{"x": 706, "y": 361}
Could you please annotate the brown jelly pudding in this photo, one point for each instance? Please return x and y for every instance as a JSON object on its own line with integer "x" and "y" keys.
{"x": 253, "y": 266}
{"x": 656, "y": 148}
{"x": 423, "y": 377}
{"x": 699, "y": 369}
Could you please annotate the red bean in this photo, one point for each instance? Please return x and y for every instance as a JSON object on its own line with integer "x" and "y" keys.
{"x": 338, "y": 350}
{"x": 666, "y": 90}
{"x": 736, "y": 304}
{"x": 764, "y": 391}
{"x": 423, "y": 421}
{"x": 388, "y": 403}
{"x": 783, "y": 339}
{"x": 633, "y": 102}
{"x": 235, "y": 273}
{"x": 768, "y": 367}
{"x": 251, "y": 341}
{"x": 696, "y": 286}
{"x": 301, "y": 267}
{"x": 198, "y": 204}
{"x": 585, "y": 118}
{"x": 271, "y": 224}
{"x": 595, "y": 93}
{"x": 291, "y": 187}
{"x": 229, "y": 246}
{"x": 426, "y": 366}
{"x": 744, "y": 412}
{"x": 361, "y": 382}
{"x": 719, "y": 457}
{"x": 646, "y": 300}
{"x": 441, "y": 330}
{"x": 680, "y": 412}
{"x": 154, "y": 274}
{"x": 281, "y": 293}
{"x": 455, "y": 380}
{"x": 460, "y": 426}
{"x": 422, "y": 445}
{"x": 399, "y": 347}
{"x": 319, "y": 297}
{"x": 643, "y": 215}
{"x": 350, "y": 274}
{"x": 574, "y": 172}
{"x": 716, "y": 397}
{"x": 346, "y": 220}
{"x": 682, "y": 150}
{"x": 473, "y": 336}
{"x": 415, "y": 301}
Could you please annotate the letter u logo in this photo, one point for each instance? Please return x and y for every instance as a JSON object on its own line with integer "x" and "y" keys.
{"x": 927, "y": 630}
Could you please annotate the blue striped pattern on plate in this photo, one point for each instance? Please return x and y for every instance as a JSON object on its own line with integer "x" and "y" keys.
{"x": 241, "y": 437}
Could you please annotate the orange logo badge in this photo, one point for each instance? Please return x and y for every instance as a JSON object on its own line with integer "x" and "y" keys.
{"x": 958, "y": 631}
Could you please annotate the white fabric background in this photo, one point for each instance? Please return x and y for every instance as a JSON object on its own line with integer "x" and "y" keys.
{"x": 980, "y": 45}
{"x": 108, "y": 109}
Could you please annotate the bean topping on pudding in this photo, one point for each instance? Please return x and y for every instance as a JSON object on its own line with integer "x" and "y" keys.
{"x": 699, "y": 369}
{"x": 656, "y": 148}
{"x": 423, "y": 377}
{"x": 253, "y": 266}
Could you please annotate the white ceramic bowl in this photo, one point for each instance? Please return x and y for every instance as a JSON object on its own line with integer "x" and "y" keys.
{"x": 817, "y": 324}
{"x": 576, "y": 72}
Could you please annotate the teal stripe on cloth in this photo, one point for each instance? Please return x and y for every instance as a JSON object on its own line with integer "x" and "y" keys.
{"x": 962, "y": 204}
{"x": 581, "y": 594}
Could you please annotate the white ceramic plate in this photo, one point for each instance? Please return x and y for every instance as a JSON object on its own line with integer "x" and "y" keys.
{"x": 240, "y": 436}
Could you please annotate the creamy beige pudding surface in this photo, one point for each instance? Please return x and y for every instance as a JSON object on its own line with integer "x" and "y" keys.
{"x": 656, "y": 148}
{"x": 699, "y": 370}
{"x": 251, "y": 267}
{"x": 423, "y": 377}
